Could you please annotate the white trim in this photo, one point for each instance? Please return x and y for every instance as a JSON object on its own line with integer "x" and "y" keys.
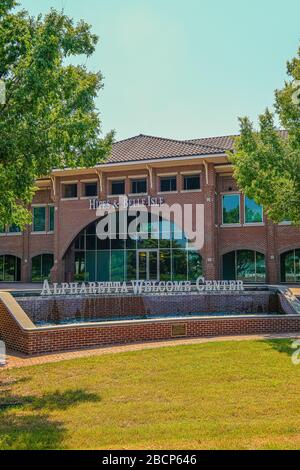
{"x": 158, "y": 160}
{"x": 38, "y": 233}
{"x": 254, "y": 224}
{"x": 224, "y": 193}
{"x": 167, "y": 192}
{"x": 138, "y": 177}
{"x": 13, "y": 234}
{"x": 116, "y": 178}
{"x": 115, "y": 195}
{"x": 165, "y": 175}
{"x": 286, "y": 223}
{"x": 191, "y": 191}
{"x": 137, "y": 194}
{"x": 192, "y": 173}
{"x": 70, "y": 182}
{"x": 84, "y": 198}
{"x": 39, "y": 205}
{"x": 145, "y": 162}
{"x": 89, "y": 181}
{"x": 231, "y": 225}
{"x": 70, "y": 199}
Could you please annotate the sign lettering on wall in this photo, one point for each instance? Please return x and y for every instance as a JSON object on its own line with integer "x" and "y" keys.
{"x": 139, "y": 287}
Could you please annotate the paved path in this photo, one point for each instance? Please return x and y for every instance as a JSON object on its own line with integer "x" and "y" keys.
{"x": 16, "y": 360}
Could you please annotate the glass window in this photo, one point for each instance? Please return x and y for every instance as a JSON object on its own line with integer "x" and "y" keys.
{"x": 118, "y": 265}
{"x": 290, "y": 266}
{"x": 179, "y": 264}
{"x": 194, "y": 265}
{"x": 79, "y": 266}
{"x": 51, "y": 218}
{"x": 168, "y": 183}
{"x": 10, "y": 268}
{"x": 41, "y": 267}
{"x": 39, "y": 219}
{"x": 139, "y": 186}
{"x": 244, "y": 265}
{"x": 253, "y": 212}
{"x": 118, "y": 188}
{"x": 90, "y": 189}
{"x": 149, "y": 258}
{"x": 70, "y": 191}
{"x": 191, "y": 182}
{"x": 231, "y": 209}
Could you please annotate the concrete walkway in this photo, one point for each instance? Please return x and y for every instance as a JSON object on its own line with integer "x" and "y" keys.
{"x": 17, "y": 360}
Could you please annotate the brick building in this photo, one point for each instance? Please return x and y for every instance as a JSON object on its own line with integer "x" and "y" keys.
{"x": 240, "y": 242}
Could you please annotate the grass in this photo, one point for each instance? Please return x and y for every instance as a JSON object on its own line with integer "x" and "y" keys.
{"x": 230, "y": 395}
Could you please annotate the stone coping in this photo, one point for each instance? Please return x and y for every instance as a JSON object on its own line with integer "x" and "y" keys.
{"x": 16, "y": 311}
{"x": 26, "y": 324}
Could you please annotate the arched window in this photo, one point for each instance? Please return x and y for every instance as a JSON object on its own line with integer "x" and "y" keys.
{"x": 41, "y": 267}
{"x": 244, "y": 265}
{"x": 159, "y": 251}
{"x": 290, "y": 266}
{"x": 10, "y": 268}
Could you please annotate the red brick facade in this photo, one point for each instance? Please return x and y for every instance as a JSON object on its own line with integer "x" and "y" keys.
{"x": 71, "y": 216}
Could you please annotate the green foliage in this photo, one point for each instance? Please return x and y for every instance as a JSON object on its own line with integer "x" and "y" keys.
{"x": 49, "y": 119}
{"x": 267, "y": 163}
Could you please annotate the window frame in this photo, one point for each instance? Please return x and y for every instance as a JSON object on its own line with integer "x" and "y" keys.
{"x": 83, "y": 189}
{"x": 235, "y": 224}
{"x": 117, "y": 181}
{"x": 50, "y": 206}
{"x": 191, "y": 175}
{"x": 39, "y": 206}
{"x": 136, "y": 180}
{"x": 63, "y": 186}
{"x": 253, "y": 224}
{"x": 167, "y": 177}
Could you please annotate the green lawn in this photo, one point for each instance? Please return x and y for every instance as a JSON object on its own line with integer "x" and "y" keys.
{"x": 236, "y": 395}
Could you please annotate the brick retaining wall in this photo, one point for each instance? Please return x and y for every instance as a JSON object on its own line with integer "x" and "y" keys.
{"x": 39, "y": 340}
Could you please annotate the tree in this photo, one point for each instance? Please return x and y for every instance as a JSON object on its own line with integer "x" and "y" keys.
{"x": 49, "y": 119}
{"x": 267, "y": 162}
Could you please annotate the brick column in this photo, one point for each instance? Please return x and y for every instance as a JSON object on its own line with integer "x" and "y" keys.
{"x": 57, "y": 270}
{"x": 272, "y": 261}
{"x": 211, "y": 256}
{"x": 26, "y": 261}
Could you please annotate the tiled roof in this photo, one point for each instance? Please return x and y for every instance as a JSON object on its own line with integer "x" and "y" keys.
{"x": 144, "y": 147}
{"x": 225, "y": 142}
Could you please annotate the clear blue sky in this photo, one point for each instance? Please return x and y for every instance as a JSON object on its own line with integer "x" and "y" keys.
{"x": 185, "y": 69}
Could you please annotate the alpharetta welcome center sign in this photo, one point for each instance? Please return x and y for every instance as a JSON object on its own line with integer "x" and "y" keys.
{"x": 139, "y": 287}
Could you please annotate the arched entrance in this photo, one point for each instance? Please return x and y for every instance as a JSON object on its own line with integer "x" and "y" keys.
{"x": 166, "y": 254}
{"x": 290, "y": 266}
{"x": 244, "y": 265}
{"x": 10, "y": 268}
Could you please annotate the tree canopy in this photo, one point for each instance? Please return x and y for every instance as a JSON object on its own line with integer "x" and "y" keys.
{"x": 49, "y": 119}
{"x": 267, "y": 161}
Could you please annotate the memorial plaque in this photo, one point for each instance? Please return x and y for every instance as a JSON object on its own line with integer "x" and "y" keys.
{"x": 179, "y": 330}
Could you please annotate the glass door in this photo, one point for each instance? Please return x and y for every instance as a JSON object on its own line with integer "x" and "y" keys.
{"x": 147, "y": 265}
